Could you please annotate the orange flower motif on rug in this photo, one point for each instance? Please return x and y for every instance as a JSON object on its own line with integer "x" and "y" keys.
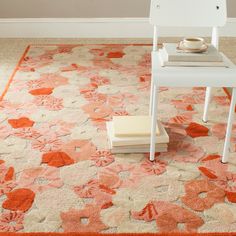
{"x": 120, "y": 175}
{"x": 49, "y": 102}
{"x": 184, "y": 118}
{"x": 41, "y": 91}
{"x": 195, "y": 130}
{"x": 213, "y": 167}
{"x": 94, "y": 189}
{"x": 40, "y": 179}
{"x": 97, "y": 110}
{"x": 227, "y": 182}
{"x": 21, "y": 122}
{"x": 27, "y": 133}
{"x": 79, "y": 150}
{"x": 153, "y": 168}
{"x": 85, "y": 220}
{"x": 53, "y": 80}
{"x": 168, "y": 216}
{"x": 99, "y": 80}
{"x": 179, "y": 104}
{"x": 102, "y": 158}
{"x": 211, "y": 195}
{"x": 57, "y": 159}
{"x": 19, "y": 200}
{"x": 11, "y": 221}
{"x": 7, "y": 179}
{"x": 47, "y": 144}
{"x": 115, "y": 54}
{"x": 93, "y": 96}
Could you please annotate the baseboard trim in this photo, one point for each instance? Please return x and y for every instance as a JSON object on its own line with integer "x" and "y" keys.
{"x": 97, "y": 28}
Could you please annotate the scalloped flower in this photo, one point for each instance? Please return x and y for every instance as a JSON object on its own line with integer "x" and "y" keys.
{"x": 11, "y": 221}
{"x": 39, "y": 179}
{"x": 102, "y": 158}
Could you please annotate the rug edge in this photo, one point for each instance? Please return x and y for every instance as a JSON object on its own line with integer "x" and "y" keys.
{"x": 14, "y": 73}
{"x": 118, "y": 234}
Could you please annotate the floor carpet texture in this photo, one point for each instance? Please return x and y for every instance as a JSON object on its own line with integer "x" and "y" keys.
{"x": 57, "y": 173}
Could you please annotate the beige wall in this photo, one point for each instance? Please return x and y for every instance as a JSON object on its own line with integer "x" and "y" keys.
{"x": 81, "y": 8}
{"x": 232, "y": 8}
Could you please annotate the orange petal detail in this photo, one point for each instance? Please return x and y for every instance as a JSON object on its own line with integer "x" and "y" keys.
{"x": 57, "y": 159}
{"x": 41, "y": 91}
{"x": 196, "y": 130}
{"x": 19, "y": 200}
{"x": 21, "y": 122}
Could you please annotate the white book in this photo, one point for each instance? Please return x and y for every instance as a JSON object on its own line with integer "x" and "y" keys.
{"x": 137, "y": 150}
{"x": 160, "y": 147}
{"x": 129, "y": 141}
{"x": 173, "y": 54}
{"x": 127, "y": 126}
{"x": 164, "y": 62}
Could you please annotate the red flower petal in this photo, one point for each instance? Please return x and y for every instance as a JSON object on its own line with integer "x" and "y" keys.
{"x": 207, "y": 173}
{"x": 41, "y": 91}
{"x": 57, "y": 159}
{"x": 107, "y": 205}
{"x": 210, "y": 157}
{"x": 106, "y": 189}
{"x": 10, "y": 173}
{"x": 148, "y": 213}
{"x": 181, "y": 119}
{"x": 196, "y": 130}
{"x": 231, "y": 196}
{"x": 21, "y": 122}
{"x": 189, "y": 108}
{"x": 115, "y": 55}
{"x": 19, "y": 200}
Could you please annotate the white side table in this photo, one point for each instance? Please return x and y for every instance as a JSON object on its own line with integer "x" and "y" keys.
{"x": 192, "y": 77}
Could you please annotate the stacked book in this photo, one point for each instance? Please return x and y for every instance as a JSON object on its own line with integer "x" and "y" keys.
{"x": 131, "y": 134}
{"x": 172, "y": 55}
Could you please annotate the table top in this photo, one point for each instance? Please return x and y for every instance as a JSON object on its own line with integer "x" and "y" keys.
{"x": 193, "y": 76}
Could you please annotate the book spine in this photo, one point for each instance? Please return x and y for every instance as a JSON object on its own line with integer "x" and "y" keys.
{"x": 138, "y": 142}
{"x": 195, "y": 64}
{"x": 137, "y": 151}
{"x": 183, "y": 58}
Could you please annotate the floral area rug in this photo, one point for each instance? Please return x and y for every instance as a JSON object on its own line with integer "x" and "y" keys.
{"x": 57, "y": 174}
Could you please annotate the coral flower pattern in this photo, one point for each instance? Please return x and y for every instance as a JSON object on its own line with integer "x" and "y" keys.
{"x": 91, "y": 213}
{"x": 102, "y": 158}
{"x": 57, "y": 173}
{"x": 40, "y": 179}
{"x": 7, "y": 179}
{"x": 168, "y": 216}
{"x": 195, "y": 188}
{"x": 46, "y": 144}
{"x": 11, "y": 221}
{"x": 156, "y": 167}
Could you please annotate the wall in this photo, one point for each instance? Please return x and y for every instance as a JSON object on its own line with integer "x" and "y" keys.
{"x": 73, "y": 8}
{"x": 81, "y": 8}
{"x": 232, "y": 8}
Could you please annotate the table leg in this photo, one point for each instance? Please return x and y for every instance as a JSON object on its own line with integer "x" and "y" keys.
{"x": 151, "y": 97}
{"x": 207, "y": 102}
{"x": 229, "y": 127}
{"x": 153, "y": 124}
